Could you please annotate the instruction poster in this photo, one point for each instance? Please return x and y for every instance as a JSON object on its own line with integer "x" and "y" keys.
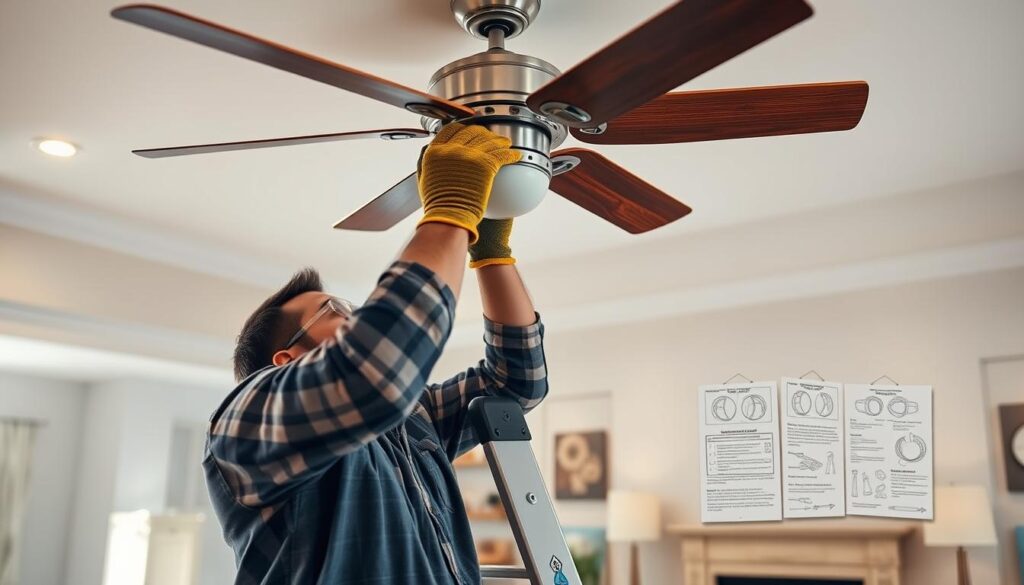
{"x": 889, "y": 451}
{"x": 813, "y": 479}
{"x": 739, "y": 439}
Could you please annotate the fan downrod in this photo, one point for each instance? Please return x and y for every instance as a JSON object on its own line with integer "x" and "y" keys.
{"x": 480, "y": 17}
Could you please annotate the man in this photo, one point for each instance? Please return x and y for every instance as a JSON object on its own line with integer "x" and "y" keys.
{"x": 330, "y": 462}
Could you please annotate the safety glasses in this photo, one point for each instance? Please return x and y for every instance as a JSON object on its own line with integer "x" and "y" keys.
{"x": 339, "y": 306}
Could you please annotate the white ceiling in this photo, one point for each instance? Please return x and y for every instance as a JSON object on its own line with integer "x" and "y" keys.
{"x": 945, "y": 106}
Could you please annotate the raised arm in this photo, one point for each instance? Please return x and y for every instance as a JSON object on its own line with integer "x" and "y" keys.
{"x": 513, "y": 364}
{"x": 287, "y": 424}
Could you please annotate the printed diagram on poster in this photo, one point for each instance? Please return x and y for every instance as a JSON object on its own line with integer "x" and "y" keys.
{"x": 813, "y": 479}
{"x": 889, "y": 451}
{"x": 739, "y": 438}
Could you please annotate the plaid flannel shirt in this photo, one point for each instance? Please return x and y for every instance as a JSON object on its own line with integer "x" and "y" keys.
{"x": 336, "y": 468}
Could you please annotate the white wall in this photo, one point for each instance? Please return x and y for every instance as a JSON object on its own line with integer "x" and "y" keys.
{"x": 58, "y": 406}
{"x": 126, "y": 451}
{"x": 933, "y": 332}
{"x": 103, "y": 447}
{"x": 95, "y": 484}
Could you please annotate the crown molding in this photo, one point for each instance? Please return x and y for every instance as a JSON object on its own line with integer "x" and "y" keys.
{"x": 116, "y": 234}
{"x": 161, "y": 245}
{"x": 61, "y": 361}
{"x": 934, "y": 264}
{"x": 115, "y": 335}
{"x": 194, "y": 350}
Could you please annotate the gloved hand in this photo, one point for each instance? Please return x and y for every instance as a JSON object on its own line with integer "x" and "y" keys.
{"x": 492, "y": 246}
{"x": 456, "y": 172}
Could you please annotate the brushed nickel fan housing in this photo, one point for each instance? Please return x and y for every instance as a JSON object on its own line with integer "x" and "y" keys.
{"x": 494, "y": 84}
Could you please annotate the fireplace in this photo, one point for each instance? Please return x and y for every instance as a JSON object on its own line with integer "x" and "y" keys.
{"x": 804, "y": 552}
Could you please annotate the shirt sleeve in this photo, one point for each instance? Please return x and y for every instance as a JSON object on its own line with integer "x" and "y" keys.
{"x": 513, "y": 366}
{"x": 287, "y": 424}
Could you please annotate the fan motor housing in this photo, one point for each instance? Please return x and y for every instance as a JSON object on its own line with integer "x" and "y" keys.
{"x": 495, "y": 84}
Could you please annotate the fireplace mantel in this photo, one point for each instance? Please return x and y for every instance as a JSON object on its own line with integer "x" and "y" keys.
{"x": 868, "y": 551}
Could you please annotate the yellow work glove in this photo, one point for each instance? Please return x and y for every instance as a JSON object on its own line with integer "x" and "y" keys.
{"x": 492, "y": 246}
{"x": 456, "y": 172}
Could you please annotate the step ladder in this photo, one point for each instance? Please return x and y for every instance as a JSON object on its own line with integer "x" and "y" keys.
{"x": 501, "y": 428}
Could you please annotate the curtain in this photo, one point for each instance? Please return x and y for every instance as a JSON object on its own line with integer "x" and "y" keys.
{"x": 16, "y": 441}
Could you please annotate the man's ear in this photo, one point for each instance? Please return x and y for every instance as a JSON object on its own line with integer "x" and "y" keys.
{"x": 282, "y": 357}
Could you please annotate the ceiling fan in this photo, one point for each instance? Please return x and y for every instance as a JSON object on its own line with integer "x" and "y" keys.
{"x": 616, "y": 96}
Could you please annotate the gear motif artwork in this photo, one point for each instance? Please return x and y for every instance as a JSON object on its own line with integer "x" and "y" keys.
{"x": 581, "y": 466}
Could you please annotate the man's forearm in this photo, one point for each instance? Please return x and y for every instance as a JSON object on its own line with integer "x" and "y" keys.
{"x": 441, "y": 248}
{"x": 504, "y": 295}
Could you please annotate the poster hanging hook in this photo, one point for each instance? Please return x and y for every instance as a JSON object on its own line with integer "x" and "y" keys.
{"x": 738, "y": 375}
{"x": 812, "y": 372}
{"x": 885, "y": 377}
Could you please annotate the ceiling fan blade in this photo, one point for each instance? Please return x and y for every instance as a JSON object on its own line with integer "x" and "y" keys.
{"x": 316, "y": 68}
{"x": 685, "y": 40}
{"x": 721, "y": 114}
{"x": 613, "y": 193}
{"x": 386, "y": 210}
{"x": 391, "y": 134}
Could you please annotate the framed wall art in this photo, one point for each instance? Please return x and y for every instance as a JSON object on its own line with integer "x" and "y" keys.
{"x": 1011, "y": 421}
{"x": 581, "y": 465}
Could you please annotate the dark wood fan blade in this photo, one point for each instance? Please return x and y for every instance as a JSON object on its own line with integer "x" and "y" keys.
{"x": 613, "y": 193}
{"x": 680, "y": 43}
{"x": 389, "y": 208}
{"x": 392, "y": 134}
{"x": 721, "y": 114}
{"x": 249, "y": 47}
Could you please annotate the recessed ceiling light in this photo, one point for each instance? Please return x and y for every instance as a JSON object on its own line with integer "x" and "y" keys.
{"x": 54, "y": 147}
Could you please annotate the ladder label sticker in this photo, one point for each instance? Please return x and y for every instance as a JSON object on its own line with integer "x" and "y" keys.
{"x": 556, "y": 566}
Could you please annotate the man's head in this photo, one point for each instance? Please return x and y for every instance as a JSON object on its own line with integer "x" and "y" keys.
{"x": 291, "y": 322}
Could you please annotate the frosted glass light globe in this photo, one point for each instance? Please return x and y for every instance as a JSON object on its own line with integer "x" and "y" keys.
{"x": 517, "y": 190}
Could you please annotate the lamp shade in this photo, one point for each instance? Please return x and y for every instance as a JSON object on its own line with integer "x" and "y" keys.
{"x": 633, "y": 516}
{"x": 963, "y": 517}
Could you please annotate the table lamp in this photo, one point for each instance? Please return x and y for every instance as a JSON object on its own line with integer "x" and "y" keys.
{"x": 633, "y": 517}
{"x": 963, "y": 517}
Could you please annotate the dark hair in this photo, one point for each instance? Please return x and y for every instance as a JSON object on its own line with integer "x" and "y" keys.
{"x": 265, "y": 330}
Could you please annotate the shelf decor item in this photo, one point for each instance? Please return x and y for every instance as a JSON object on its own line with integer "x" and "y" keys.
{"x": 496, "y": 551}
{"x": 470, "y": 459}
{"x": 963, "y": 517}
{"x": 581, "y": 466}
{"x": 633, "y": 517}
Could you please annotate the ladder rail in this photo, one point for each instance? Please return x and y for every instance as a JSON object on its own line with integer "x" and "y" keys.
{"x": 505, "y": 436}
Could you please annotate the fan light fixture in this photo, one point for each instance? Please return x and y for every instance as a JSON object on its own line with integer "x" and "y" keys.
{"x": 55, "y": 147}
{"x": 517, "y": 189}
